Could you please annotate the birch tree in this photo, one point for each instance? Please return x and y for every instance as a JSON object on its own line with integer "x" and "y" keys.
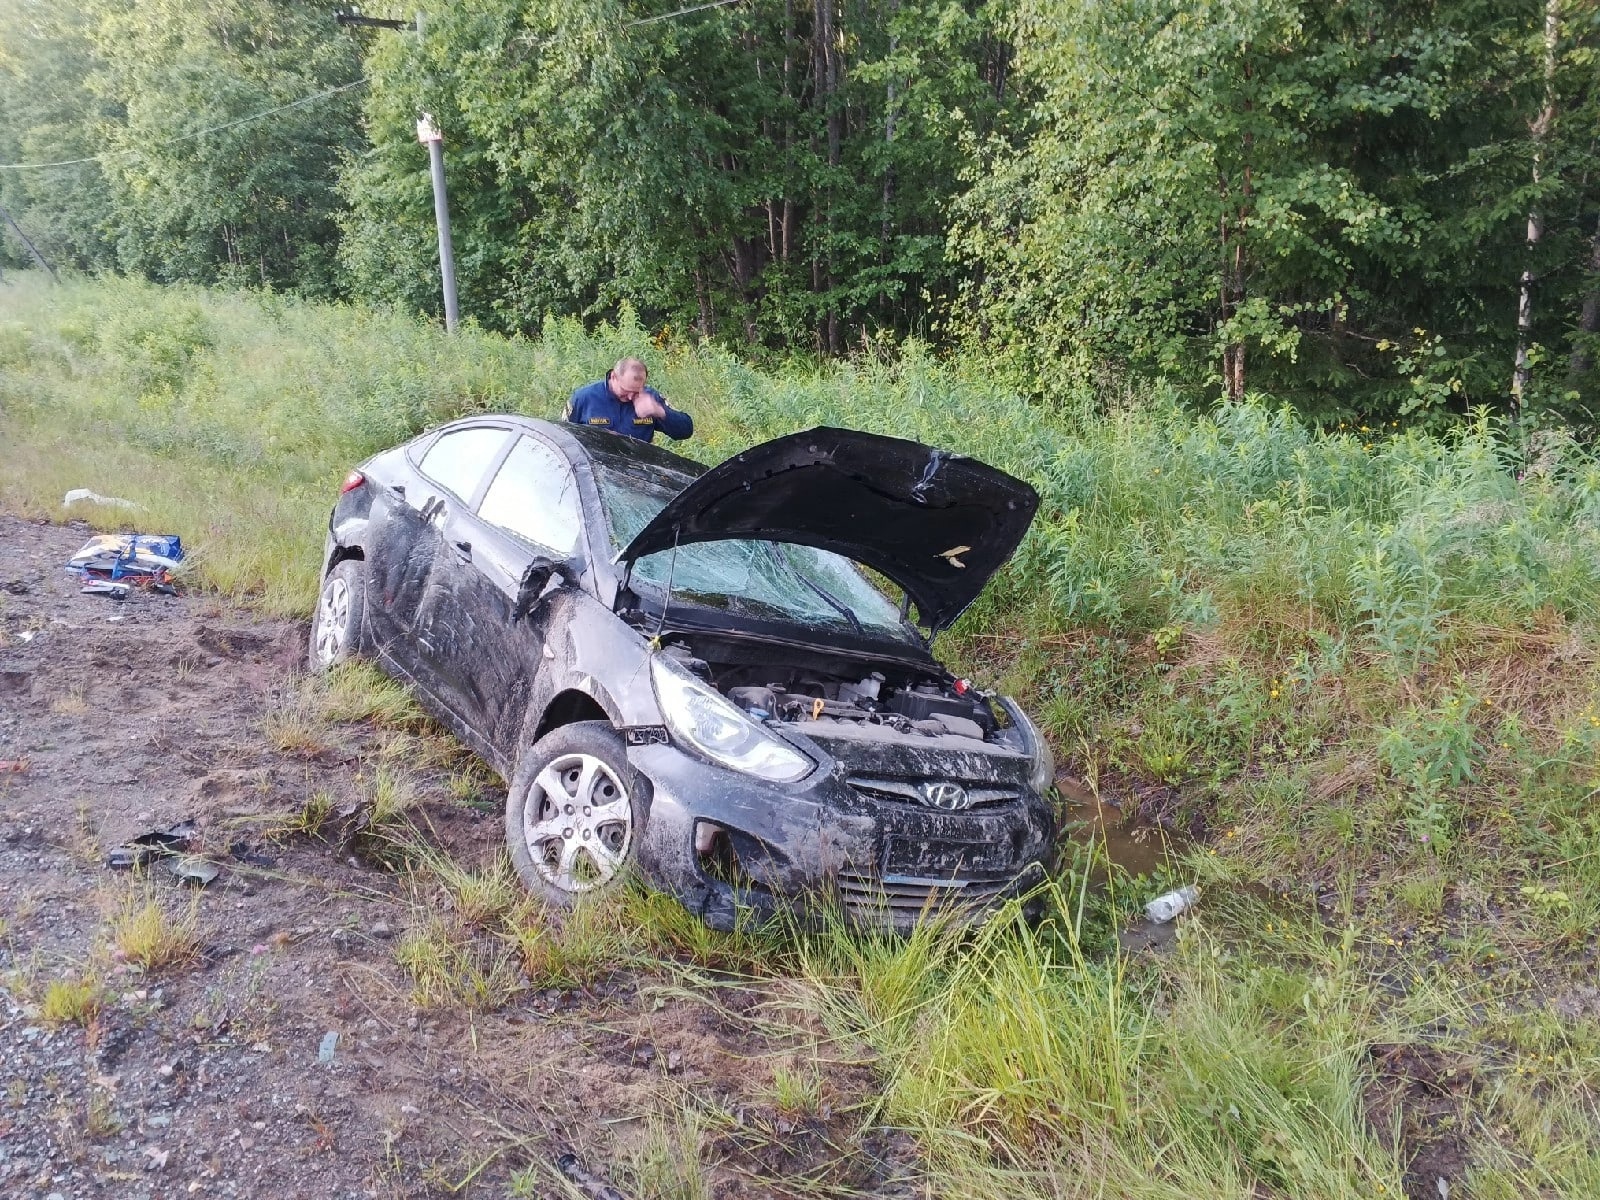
{"x": 1538, "y": 131}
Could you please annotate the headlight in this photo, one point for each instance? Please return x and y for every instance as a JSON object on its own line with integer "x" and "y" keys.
{"x": 1042, "y": 777}
{"x": 718, "y": 730}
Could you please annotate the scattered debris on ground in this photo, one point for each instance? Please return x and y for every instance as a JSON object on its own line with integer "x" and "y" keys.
{"x": 225, "y": 1014}
{"x": 155, "y": 843}
{"x": 113, "y": 564}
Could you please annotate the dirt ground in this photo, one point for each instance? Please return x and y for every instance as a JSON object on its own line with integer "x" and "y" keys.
{"x": 208, "y": 1078}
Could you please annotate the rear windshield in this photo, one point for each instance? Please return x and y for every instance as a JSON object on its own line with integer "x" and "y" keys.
{"x": 768, "y": 580}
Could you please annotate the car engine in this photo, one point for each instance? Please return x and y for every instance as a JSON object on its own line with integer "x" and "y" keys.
{"x": 896, "y": 704}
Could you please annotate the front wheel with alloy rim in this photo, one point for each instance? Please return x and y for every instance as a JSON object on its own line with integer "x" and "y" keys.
{"x": 336, "y": 626}
{"x": 572, "y": 814}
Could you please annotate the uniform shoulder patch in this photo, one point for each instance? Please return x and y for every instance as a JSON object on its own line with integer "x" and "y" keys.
{"x": 599, "y": 420}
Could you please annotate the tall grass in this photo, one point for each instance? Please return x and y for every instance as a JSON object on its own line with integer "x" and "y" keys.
{"x": 1362, "y": 661}
{"x": 1149, "y": 516}
{"x": 1028, "y": 1066}
{"x": 1232, "y": 599}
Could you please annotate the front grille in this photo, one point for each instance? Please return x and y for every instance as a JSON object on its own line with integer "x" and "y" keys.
{"x": 876, "y": 897}
{"x": 908, "y": 791}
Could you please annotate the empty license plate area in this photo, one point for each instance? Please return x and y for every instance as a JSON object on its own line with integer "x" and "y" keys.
{"x": 944, "y": 857}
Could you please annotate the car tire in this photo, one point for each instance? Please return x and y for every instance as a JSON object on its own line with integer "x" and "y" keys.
{"x": 573, "y": 813}
{"x": 336, "y": 624}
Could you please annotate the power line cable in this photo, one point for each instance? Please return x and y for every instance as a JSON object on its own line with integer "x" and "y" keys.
{"x": 185, "y": 137}
{"x": 682, "y": 12}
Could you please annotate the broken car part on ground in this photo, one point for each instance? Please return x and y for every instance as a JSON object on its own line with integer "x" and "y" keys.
{"x": 684, "y": 670}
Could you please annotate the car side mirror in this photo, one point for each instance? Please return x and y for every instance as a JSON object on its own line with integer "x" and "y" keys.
{"x": 542, "y": 576}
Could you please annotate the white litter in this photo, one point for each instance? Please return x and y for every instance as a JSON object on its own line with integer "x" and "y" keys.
{"x": 1164, "y": 907}
{"x": 86, "y": 496}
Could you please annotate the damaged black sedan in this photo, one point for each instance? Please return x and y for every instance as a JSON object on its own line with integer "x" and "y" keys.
{"x": 687, "y": 672}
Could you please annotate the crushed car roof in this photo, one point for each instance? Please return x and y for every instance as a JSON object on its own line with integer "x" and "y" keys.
{"x": 936, "y": 523}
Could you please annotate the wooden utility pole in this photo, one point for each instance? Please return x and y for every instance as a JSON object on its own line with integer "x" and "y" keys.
{"x": 428, "y": 134}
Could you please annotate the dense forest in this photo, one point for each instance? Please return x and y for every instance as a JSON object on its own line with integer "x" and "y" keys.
{"x": 1372, "y": 211}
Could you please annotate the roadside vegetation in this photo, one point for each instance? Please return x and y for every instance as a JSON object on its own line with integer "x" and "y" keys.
{"x": 1352, "y": 668}
{"x": 1368, "y": 209}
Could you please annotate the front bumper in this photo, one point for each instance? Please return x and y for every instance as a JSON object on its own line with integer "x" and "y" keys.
{"x": 801, "y": 848}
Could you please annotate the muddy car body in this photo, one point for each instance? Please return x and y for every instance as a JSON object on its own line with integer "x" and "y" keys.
{"x": 681, "y": 669}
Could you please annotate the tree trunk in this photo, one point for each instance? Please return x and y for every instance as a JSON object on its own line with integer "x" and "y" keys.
{"x": 1538, "y": 129}
{"x": 1232, "y": 296}
{"x": 787, "y": 219}
{"x": 888, "y": 145}
{"x": 703, "y": 297}
{"x": 1236, "y": 368}
{"x": 1233, "y": 370}
{"x": 1225, "y": 293}
{"x": 890, "y": 114}
{"x": 744, "y": 264}
{"x": 828, "y": 36}
{"x": 827, "y": 94}
{"x": 1589, "y": 317}
{"x": 816, "y": 288}
{"x": 886, "y": 218}
{"x": 1233, "y": 272}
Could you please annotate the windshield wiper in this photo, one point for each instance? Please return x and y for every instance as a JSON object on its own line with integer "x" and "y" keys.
{"x": 828, "y": 597}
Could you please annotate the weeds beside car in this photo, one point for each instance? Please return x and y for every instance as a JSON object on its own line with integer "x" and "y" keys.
{"x": 1249, "y": 626}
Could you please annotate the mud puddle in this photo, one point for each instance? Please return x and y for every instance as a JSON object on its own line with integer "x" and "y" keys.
{"x": 1139, "y": 848}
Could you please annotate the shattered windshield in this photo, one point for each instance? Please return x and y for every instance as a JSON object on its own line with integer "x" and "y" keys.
{"x": 751, "y": 578}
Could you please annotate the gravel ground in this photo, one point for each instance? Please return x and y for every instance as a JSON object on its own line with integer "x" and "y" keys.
{"x": 208, "y": 1078}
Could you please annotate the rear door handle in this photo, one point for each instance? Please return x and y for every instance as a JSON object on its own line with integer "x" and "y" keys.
{"x": 465, "y": 550}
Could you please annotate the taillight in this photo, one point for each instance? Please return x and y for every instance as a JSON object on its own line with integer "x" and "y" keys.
{"x": 351, "y": 482}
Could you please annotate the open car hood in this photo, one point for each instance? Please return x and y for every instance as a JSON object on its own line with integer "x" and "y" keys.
{"x": 935, "y": 523}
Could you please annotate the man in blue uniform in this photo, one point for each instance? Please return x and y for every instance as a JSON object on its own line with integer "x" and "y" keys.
{"x": 623, "y": 404}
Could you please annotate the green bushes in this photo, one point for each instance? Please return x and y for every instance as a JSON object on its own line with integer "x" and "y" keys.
{"x": 1159, "y": 516}
{"x": 1150, "y": 517}
{"x": 1363, "y": 661}
{"x": 1218, "y": 557}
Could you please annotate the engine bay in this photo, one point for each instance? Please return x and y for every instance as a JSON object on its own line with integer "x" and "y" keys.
{"x": 825, "y": 692}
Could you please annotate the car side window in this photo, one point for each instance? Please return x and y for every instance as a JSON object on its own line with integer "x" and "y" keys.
{"x": 535, "y": 497}
{"x": 458, "y": 459}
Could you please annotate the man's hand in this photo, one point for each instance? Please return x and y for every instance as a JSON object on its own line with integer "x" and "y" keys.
{"x": 646, "y": 406}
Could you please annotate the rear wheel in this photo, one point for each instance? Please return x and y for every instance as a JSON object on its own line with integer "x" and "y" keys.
{"x": 572, "y": 814}
{"x": 336, "y": 626}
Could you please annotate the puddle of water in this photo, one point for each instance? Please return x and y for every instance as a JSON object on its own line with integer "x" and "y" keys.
{"x": 1141, "y": 934}
{"x": 1135, "y": 846}
{"x": 1139, "y": 848}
